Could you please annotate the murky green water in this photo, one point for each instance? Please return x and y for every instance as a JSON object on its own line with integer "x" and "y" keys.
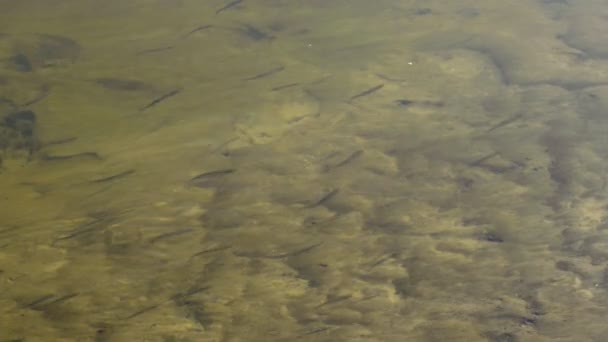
{"x": 283, "y": 170}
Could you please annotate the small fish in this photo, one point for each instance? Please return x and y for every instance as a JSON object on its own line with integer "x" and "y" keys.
{"x": 38, "y": 301}
{"x": 42, "y": 94}
{"x": 209, "y": 179}
{"x": 483, "y": 159}
{"x": 326, "y": 198}
{"x": 353, "y": 156}
{"x": 113, "y": 177}
{"x": 161, "y": 99}
{"x": 297, "y": 119}
{"x": 367, "y": 92}
{"x": 295, "y": 253}
{"x": 99, "y": 222}
{"x": 491, "y": 237}
{"x": 391, "y": 79}
{"x": 160, "y": 49}
{"x": 49, "y": 300}
{"x": 437, "y": 104}
{"x": 265, "y": 73}
{"x": 61, "y": 299}
{"x": 316, "y": 331}
{"x": 60, "y": 141}
{"x": 505, "y": 122}
{"x": 198, "y": 29}
{"x": 75, "y": 234}
{"x": 528, "y": 321}
{"x": 335, "y": 300}
{"x": 285, "y": 86}
{"x": 407, "y": 103}
{"x": 422, "y": 11}
{"x": 120, "y": 84}
{"x": 253, "y": 33}
{"x": 228, "y": 6}
{"x": 210, "y": 250}
{"x": 83, "y": 155}
{"x": 171, "y": 234}
{"x": 142, "y": 311}
{"x": 404, "y": 102}
{"x": 82, "y": 229}
{"x": 183, "y": 295}
{"x": 381, "y": 260}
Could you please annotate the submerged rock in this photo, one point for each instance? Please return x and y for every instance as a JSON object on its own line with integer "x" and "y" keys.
{"x": 17, "y": 135}
{"x": 26, "y": 53}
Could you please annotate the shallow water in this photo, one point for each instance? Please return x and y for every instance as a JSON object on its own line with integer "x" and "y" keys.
{"x": 265, "y": 170}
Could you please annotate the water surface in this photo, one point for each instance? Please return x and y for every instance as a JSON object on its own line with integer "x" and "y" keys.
{"x": 273, "y": 170}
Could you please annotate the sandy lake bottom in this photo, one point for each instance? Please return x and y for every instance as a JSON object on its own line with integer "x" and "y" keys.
{"x": 286, "y": 170}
